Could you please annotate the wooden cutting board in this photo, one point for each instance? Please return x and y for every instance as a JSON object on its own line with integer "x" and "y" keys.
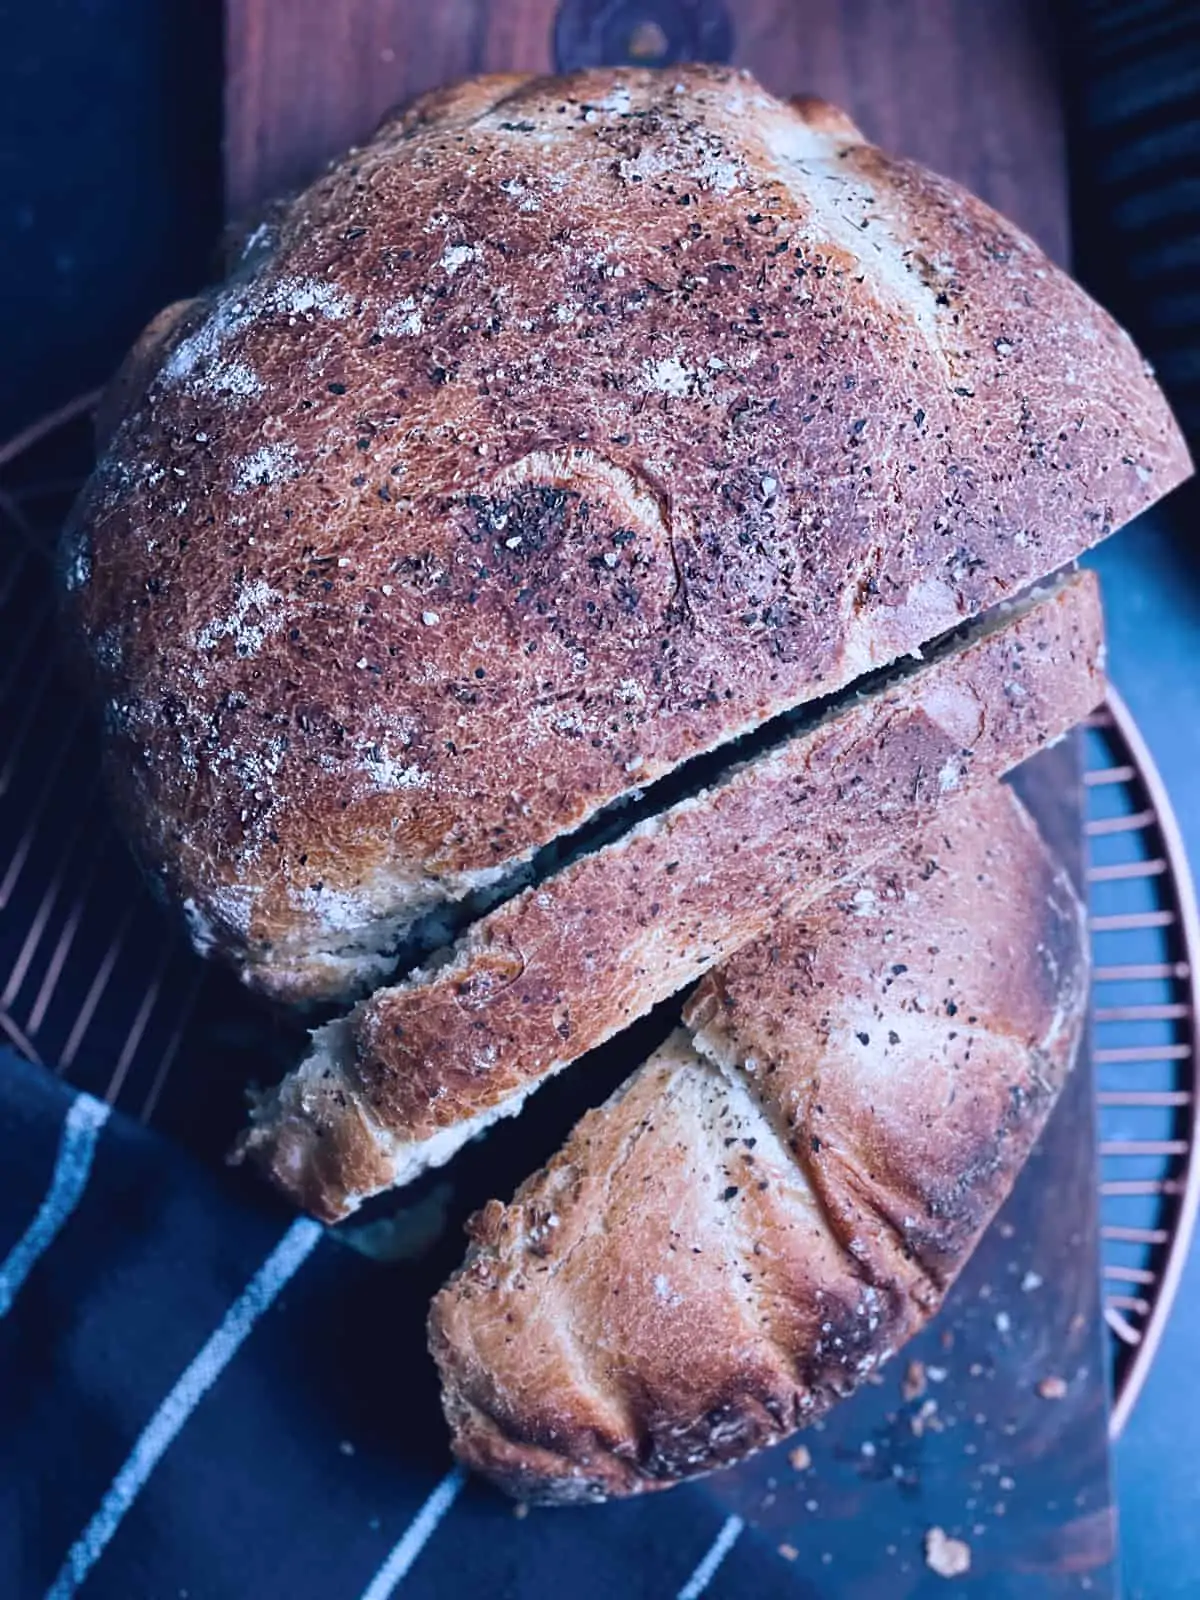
{"x": 977, "y": 1441}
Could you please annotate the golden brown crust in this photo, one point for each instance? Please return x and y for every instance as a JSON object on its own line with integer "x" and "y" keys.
{"x": 567, "y": 429}
{"x": 776, "y": 1202}
{"x": 550, "y": 975}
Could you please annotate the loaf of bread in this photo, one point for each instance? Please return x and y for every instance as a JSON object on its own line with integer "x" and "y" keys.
{"x": 780, "y": 1197}
{"x": 417, "y": 1069}
{"x": 567, "y": 430}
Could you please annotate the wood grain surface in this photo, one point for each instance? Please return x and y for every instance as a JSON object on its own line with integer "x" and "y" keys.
{"x": 978, "y": 1441}
{"x": 968, "y": 88}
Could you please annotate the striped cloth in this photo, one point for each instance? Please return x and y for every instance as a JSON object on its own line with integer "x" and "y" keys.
{"x": 202, "y": 1398}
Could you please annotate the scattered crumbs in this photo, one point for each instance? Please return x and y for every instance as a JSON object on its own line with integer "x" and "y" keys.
{"x": 1006, "y": 1230}
{"x": 1052, "y": 1388}
{"x": 1031, "y": 1281}
{"x": 948, "y": 1557}
{"x": 937, "y": 1374}
{"x": 867, "y": 1448}
{"x": 926, "y": 1419}
{"x": 1008, "y": 1484}
{"x": 520, "y": 1510}
{"x": 800, "y": 1458}
{"x": 430, "y": 619}
{"x": 788, "y": 1552}
{"x": 913, "y": 1384}
{"x": 811, "y": 1505}
{"x": 345, "y": 1447}
{"x": 1003, "y": 1322}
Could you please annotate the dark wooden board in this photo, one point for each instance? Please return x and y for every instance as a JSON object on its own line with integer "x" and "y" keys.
{"x": 970, "y": 89}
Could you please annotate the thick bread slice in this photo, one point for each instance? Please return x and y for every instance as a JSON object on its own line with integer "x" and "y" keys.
{"x": 780, "y": 1197}
{"x": 570, "y": 428}
{"x": 413, "y": 1072}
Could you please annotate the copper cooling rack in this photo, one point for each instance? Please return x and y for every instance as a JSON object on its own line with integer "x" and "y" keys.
{"x": 96, "y": 984}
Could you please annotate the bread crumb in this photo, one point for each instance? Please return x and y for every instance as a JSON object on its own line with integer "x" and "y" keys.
{"x": 788, "y": 1552}
{"x": 948, "y": 1557}
{"x": 926, "y": 1418}
{"x": 913, "y": 1385}
{"x": 430, "y": 619}
{"x": 1052, "y": 1388}
{"x": 1031, "y": 1281}
{"x": 800, "y": 1458}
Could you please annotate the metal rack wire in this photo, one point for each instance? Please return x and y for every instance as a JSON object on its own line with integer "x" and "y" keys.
{"x": 96, "y": 984}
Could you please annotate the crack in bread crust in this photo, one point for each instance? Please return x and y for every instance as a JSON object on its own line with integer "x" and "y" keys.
{"x": 430, "y": 1061}
{"x": 490, "y": 489}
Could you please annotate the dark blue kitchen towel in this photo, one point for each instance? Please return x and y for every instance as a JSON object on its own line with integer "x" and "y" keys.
{"x": 203, "y": 1398}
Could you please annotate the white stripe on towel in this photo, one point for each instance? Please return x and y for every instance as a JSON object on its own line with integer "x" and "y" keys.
{"x": 167, "y": 1422}
{"x": 72, "y": 1166}
{"x": 717, "y": 1551}
{"x": 415, "y": 1537}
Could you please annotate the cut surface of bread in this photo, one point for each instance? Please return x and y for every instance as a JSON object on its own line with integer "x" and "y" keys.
{"x": 417, "y": 1069}
{"x": 782, "y": 1194}
{"x": 498, "y": 481}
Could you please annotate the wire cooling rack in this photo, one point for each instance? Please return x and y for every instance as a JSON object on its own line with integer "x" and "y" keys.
{"x": 96, "y": 983}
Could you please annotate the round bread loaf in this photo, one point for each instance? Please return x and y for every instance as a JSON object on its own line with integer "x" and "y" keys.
{"x": 570, "y": 428}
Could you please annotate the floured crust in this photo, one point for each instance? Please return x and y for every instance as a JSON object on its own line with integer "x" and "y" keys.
{"x": 569, "y": 428}
{"x": 548, "y": 976}
{"x": 780, "y": 1197}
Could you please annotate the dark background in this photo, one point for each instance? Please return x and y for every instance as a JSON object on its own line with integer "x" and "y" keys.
{"x": 110, "y": 206}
